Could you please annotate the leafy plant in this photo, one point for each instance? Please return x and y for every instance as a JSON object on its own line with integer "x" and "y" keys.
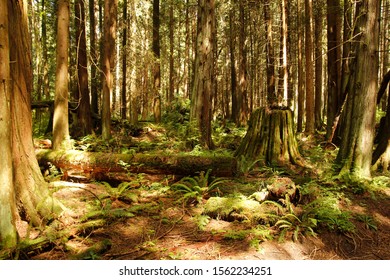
{"x": 328, "y": 214}
{"x": 202, "y": 221}
{"x": 195, "y": 189}
{"x": 246, "y": 165}
{"x": 368, "y": 221}
{"x": 290, "y": 222}
{"x": 121, "y": 192}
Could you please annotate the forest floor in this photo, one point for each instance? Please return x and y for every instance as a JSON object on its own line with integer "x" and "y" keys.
{"x": 146, "y": 219}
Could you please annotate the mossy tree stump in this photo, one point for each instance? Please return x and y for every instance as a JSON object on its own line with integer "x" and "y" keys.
{"x": 270, "y": 138}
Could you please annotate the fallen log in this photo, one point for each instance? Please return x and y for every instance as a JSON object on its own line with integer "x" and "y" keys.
{"x": 100, "y": 163}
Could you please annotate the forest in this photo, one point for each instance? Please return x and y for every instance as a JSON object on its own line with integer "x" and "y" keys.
{"x": 195, "y": 129}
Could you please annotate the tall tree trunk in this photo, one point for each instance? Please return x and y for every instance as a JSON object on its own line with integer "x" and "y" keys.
{"x": 110, "y": 12}
{"x": 318, "y": 25}
{"x": 355, "y": 154}
{"x": 309, "y": 81}
{"x": 382, "y": 150}
{"x": 61, "y": 119}
{"x": 156, "y": 66}
{"x": 124, "y": 63}
{"x": 46, "y": 80}
{"x": 84, "y": 106}
{"x": 287, "y": 98}
{"x": 24, "y": 192}
{"x": 171, "y": 88}
{"x": 8, "y": 234}
{"x": 94, "y": 59}
{"x": 334, "y": 63}
{"x": 202, "y": 91}
{"x": 301, "y": 88}
{"x": 243, "y": 75}
{"x": 233, "y": 73}
{"x": 271, "y": 91}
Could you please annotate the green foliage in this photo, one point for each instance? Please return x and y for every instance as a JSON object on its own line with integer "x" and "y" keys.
{"x": 121, "y": 192}
{"x": 368, "y": 221}
{"x": 195, "y": 189}
{"x": 290, "y": 222}
{"x": 227, "y": 136}
{"x": 236, "y": 234}
{"x": 246, "y": 165}
{"x": 202, "y": 221}
{"x": 328, "y": 213}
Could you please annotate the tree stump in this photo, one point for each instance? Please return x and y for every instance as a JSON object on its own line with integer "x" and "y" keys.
{"x": 270, "y": 138}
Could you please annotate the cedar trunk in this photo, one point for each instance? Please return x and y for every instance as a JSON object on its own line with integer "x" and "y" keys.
{"x": 60, "y": 119}
{"x": 355, "y": 154}
{"x": 202, "y": 91}
{"x": 270, "y": 138}
{"x": 84, "y": 107}
{"x": 28, "y": 194}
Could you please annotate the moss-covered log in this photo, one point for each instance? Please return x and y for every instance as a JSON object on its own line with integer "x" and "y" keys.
{"x": 138, "y": 163}
{"x": 270, "y": 138}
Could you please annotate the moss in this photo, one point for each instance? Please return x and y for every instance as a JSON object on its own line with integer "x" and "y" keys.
{"x": 237, "y": 208}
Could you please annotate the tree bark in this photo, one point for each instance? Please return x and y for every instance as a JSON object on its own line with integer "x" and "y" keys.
{"x": 96, "y": 163}
{"x": 243, "y": 71}
{"x": 270, "y": 138}
{"x": 156, "y": 66}
{"x": 301, "y": 87}
{"x": 26, "y": 194}
{"x": 124, "y": 63}
{"x": 355, "y": 154}
{"x": 84, "y": 123}
{"x": 382, "y": 151}
{"x": 8, "y": 234}
{"x": 334, "y": 62}
{"x": 94, "y": 59}
{"x": 110, "y": 8}
{"x": 61, "y": 120}
{"x": 202, "y": 91}
{"x": 235, "y": 116}
{"x": 309, "y": 80}
{"x": 318, "y": 26}
{"x": 271, "y": 91}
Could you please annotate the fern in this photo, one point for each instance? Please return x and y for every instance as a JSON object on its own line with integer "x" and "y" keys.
{"x": 195, "y": 189}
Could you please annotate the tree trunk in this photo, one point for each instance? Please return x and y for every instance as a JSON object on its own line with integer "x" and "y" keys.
{"x": 318, "y": 26}
{"x": 94, "y": 59}
{"x": 61, "y": 120}
{"x": 301, "y": 87}
{"x": 84, "y": 108}
{"x": 271, "y": 91}
{"x": 243, "y": 71}
{"x": 46, "y": 80}
{"x": 171, "y": 88}
{"x": 8, "y": 234}
{"x": 202, "y": 92}
{"x": 110, "y": 7}
{"x": 156, "y": 66}
{"x": 381, "y": 153}
{"x": 334, "y": 63}
{"x": 309, "y": 81}
{"x": 285, "y": 59}
{"x": 97, "y": 163}
{"x": 355, "y": 154}
{"x": 124, "y": 63}
{"x": 270, "y": 138}
{"x": 24, "y": 193}
{"x": 235, "y": 116}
